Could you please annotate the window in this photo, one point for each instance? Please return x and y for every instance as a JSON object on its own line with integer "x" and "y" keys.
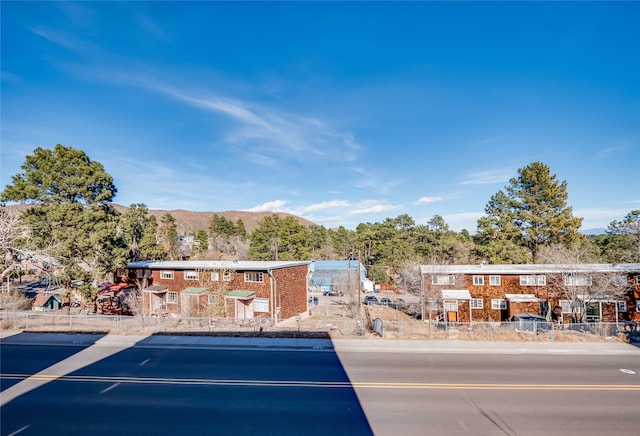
{"x": 443, "y": 279}
{"x": 566, "y": 307}
{"x": 166, "y": 275}
{"x": 261, "y": 305}
{"x": 172, "y": 297}
{"x": 498, "y": 304}
{"x": 478, "y": 280}
{"x": 621, "y": 281}
{"x": 253, "y": 276}
{"x": 533, "y": 280}
{"x": 191, "y": 275}
{"x": 637, "y": 280}
{"x": 226, "y": 276}
{"x": 476, "y": 303}
{"x": 577, "y": 281}
{"x": 494, "y": 280}
{"x": 211, "y": 299}
{"x": 215, "y": 276}
{"x": 622, "y": 306}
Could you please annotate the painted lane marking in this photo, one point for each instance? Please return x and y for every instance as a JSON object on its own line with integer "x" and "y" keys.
{"x": 627, "y": 371}
{"x": 105, "y": 390}
{"x": 20, "y": 430}
{"x": 326, "y": 384}
{"x": 144, "y": 362}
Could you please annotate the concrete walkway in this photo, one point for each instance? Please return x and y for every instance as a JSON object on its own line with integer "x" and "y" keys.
{"x": 342, "y": 345}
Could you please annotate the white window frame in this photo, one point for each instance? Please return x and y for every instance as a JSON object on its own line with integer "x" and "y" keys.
{"x": 211, "y": 299}
{"x": 478, "y": 280}
{"x": 191, "y": 275}
{"x": 621, "y": 306}
{"x": 261, "y": 305}
{"x": 621, "y": 280}
{"x": 166, "y": 275}
{"x": 566, "y": 307}
{"x": 443, "y": 279}
{"x": 498, "y": 304}
{"x": 533, "y": 280}
{"x": 226, "y": 275}
{"x": 494, "y": 280}
{"x": 637, "y": 280}
{"x": 476, "y": 303}
{"x": 577, "y": 280}
{"x": 172, "y": 297}
{"x": 215, "y": 276}
{"x": 254, "y": 277}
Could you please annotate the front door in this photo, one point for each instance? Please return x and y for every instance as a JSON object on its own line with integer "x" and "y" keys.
{"x": 451, "y": 310}
{"x": 244, "y": 309}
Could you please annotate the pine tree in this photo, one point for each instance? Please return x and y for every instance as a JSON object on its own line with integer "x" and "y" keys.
{"x": 532, "y": 212}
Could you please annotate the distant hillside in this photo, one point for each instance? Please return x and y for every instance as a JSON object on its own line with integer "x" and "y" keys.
{"x": 189, "y": 221}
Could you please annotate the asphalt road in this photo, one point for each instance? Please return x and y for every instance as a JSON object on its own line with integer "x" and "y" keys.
{"x": 191, "y": 390}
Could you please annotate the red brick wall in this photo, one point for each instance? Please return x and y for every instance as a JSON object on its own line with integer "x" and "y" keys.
{"x": 290, "y": 284}
{"x": 291, "y": 287}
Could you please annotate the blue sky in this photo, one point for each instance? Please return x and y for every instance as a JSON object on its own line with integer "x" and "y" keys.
{"x": 339, "y": 112}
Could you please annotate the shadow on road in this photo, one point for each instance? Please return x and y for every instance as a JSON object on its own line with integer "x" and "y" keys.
{"x": 29, "y": 358}
{"x": 190, "y": 385}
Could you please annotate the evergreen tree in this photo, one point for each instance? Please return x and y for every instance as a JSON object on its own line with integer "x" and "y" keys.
{"x": 168, "y": 236}
{"x": 72, "y": 214}
{"x": 264, "y": 239}
{"x": 532, "y": 212}
{"x": 621, "y": 244}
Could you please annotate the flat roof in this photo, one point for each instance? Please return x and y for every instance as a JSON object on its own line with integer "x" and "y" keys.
{"x": 195, "y": 291}
{"x": 456, "y": 294}
{"x": 486, "y": 269}
{"x": 521, "y": 298}
{"x": 240, "y": 294}
{"x": 243, "y": 265}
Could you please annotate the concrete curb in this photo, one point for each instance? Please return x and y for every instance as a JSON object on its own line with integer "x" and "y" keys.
{"x": 340, "y": 345}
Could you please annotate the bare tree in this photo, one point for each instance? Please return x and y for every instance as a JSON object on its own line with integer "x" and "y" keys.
{"x": 16, "y": 247}
{"x": 436, "y": 278}
{"x": 217, "y": 284}
{"x": 579, "y": 282}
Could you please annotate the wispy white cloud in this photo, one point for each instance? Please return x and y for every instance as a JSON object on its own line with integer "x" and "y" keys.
{"x": 375, "y": 181}
{"x": 426, "y": 200}
{"x": 615, "y": 149}
{"x": 488, "y": 177}
{"x": 325, "y": 205}
{"x": 152, "y": 27}
{"x": 65, "y": 40}
{"x": 269, "y": 206}
{"x": 372, "y": 207}
{"x": 488, "y": 140}
{"x": 268, "y": 129}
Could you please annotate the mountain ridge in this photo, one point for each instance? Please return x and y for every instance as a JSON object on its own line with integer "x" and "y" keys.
{"x": 188, "y": 221}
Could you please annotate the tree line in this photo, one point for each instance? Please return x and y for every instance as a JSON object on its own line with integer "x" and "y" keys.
{"x": 73, "y": 225}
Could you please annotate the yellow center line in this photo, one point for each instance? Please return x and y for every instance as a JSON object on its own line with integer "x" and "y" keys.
{"x": 323, "y": 384}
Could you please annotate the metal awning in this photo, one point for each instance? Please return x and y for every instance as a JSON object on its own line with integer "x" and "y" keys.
{"x": 456, "y": 294}
{"x": 521, "y": 298}
{"x": 156, "y": 289}
{"x": 240, "y": 294}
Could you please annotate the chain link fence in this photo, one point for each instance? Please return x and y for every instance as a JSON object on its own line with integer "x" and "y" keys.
{"x": 322, "y": 321}
{"x": 308, "y": 327}
{"x": 505, "y": 331}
